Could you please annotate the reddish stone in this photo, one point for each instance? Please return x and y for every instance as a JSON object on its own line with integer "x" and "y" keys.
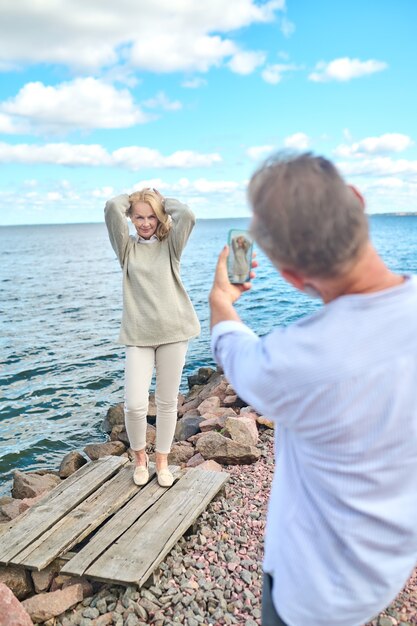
{"x": 12, "y": 613}
{"x": 215, "y": 423}
{"x": 209, "y": 405}
{"x": 195, "y": 460}
{"x": 211, "y": 465}
{"x": 46, "y": 605}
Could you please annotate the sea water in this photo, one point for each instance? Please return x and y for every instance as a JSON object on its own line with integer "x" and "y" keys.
{"x": 61, "y": 303}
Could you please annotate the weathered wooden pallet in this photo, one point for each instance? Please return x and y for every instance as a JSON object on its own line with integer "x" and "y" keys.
{"x": 137, "y": 526}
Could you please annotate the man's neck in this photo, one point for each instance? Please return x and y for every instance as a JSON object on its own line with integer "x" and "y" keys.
{"x": 368, "y": 275}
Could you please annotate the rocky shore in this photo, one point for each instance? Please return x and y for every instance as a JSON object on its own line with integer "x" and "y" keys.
{"x": 214, "y": 574}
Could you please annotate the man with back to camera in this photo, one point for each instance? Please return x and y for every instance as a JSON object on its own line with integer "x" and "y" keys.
{"x": 341, "y": 387}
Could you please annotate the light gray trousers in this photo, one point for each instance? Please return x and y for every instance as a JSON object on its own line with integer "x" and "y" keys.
{"x": 168, "y": 359}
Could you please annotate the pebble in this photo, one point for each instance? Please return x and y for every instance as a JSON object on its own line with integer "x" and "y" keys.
{"x": 91, "y": 613}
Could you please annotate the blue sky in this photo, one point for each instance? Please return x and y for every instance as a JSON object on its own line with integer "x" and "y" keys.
{"x": 99, "y": 98}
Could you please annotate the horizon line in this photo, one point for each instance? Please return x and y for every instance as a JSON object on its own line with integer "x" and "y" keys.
{"x": 206, "y": 219}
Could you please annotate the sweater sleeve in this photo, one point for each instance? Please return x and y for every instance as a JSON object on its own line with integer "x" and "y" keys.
{"x": 117, "y": 227}
{"x": 183, "y": 221}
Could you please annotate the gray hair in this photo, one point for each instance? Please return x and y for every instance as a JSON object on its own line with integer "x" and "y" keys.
{"x": 305, "y": 216}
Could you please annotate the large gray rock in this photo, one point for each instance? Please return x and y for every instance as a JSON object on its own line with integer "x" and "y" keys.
{"x": 115, "y": 416}
{"x": 71, "y": 463}
{"x": 12, "y": 613}
{"x": 180, "y": 453}
{"x": 215, "y": 446}
{"x": 110, "y": 448}
{"x": 202, "y": 377}
{"x": 31, "y": 484}
{"x": 242, "y": 430}
{"x": 118, "y": 433}
{"x": 17, "y": 579}
{"x": 188, "y": 425}
{"x": 44, "y": 606}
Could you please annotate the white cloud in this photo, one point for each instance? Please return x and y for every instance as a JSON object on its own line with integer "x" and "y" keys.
{"x": 9, "y": 126}
{"x": 246, "y": 62}
{"x": 103, "y": 193}
{"x": 298, "y": 141}
{"x": 30, "y": 183}
{"x": 55, "y": 154}
{"x": 273, "y": 74}
{"x": 84, "y": 103}
{"x": 152, "y": 34}
{"x": 257, "y": 153}
{"x": 194, "y": 83}
{"x": 345, "y": 69}
{"x": 135, "y": 158}
{"x": 287, "y": 27}
{"x": 380, "y": 167}
{"x": 204, "y": 186}
{"x": 161, "y": 101}
{"x": 209, "y": 198}
{"x": 185, "y": 185}
{"x": 90, "y": 155}
{"x": 61, "y": 201}
{"x": 172, "y": 52}
{"x": 391, "y": 182}
{"x": 389, "y": 142}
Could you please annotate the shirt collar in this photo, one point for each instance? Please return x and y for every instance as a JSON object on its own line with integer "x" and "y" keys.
{"x": 152, "y": 239}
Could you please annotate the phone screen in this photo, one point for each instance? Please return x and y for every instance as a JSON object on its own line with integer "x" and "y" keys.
{"x": 240, "y": 256}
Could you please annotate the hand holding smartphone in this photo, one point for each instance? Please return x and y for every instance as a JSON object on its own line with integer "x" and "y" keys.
{"x": 240, "y": 256}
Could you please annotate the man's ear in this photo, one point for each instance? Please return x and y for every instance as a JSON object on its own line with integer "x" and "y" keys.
{"x": 293, "y": 277}
{"x": 358, "y": 195}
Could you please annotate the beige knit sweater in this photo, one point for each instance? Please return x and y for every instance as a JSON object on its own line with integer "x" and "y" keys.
{"x": 156, "y": 307}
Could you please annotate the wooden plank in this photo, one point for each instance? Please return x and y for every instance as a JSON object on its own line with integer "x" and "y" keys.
{"x": 59, "y": 501}
{"x": 118, "y": 525}
{"x": 80, "y": 522}
{"x": 132, "y": 558}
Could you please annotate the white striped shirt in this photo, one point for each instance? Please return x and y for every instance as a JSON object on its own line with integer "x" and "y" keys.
{"x": 341, "y": 385}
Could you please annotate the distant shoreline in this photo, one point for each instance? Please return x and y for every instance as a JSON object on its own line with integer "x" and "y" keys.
{"x": 395, "y": 214}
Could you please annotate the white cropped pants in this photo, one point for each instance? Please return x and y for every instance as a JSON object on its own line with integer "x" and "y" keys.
{"x": 168, "y": 359}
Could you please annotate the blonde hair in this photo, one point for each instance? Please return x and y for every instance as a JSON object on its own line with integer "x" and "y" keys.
{"x": 156, "y": 203}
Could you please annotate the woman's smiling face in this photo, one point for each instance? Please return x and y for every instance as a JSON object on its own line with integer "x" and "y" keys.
{"x": 144, "y": 219}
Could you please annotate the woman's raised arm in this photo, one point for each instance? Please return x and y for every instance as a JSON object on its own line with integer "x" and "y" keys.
{"x": 183, "y": 221}
{"x": 117, "y": 226}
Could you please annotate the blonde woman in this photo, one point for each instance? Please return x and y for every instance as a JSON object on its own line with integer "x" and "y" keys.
{"x": 241, "y": 263}
{"x": 158, "y": 317}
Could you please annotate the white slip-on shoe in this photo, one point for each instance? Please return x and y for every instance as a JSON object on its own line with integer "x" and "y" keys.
{"x": 141, "y": 473}
{"x": 165, "y": 478}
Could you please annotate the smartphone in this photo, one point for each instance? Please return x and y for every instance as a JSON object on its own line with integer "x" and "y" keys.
{"x": 239, "y": 261}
